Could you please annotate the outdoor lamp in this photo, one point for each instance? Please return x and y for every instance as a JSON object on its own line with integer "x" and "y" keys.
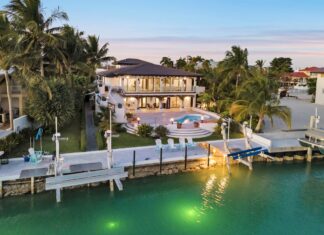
{"x": 171, "y": 120}
{"x": 138, "y": 120}
{"x": 202, "y": 119}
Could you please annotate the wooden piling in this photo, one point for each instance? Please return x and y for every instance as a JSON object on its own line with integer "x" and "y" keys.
{"x": 1, "y": 190}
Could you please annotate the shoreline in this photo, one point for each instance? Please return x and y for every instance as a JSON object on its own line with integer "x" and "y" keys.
{"x": 36, "y": 185}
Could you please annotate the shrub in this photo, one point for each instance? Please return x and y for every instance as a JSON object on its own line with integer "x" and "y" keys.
{"x": 49, "y": 99}
{"x": 218, "y": 128}
{"x": 119, "y": 128}
{"x": 161, "y": 131}
{"x": 144, "y": 130}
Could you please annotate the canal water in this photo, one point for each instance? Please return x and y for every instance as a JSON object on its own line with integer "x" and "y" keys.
{"x": 272, "y": 199}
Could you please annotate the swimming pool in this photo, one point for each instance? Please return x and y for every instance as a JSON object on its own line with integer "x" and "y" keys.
{"x": 191, "y": 118}
{"x": 271, "y": 199}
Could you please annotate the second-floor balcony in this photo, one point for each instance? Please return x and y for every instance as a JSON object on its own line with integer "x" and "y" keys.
{"x": 132, "y": 89}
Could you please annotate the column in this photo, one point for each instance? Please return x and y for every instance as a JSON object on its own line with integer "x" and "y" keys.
{"x": 181, "y": 102}
{"x": 194, "y": 101}
{"x": 161, "y": 84}
{"x": 195, "y": 84}
{"x": 137, "y": 84}
{"x": 160, "y": 102}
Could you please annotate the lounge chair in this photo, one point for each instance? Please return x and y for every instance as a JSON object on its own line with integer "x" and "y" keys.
{"x": 190, "y": 143}
{"x": 35, "y": 156}
{"x": 171, "y": 145}
{"x": 159, "y": 145}
{"x": 182, "y": 143}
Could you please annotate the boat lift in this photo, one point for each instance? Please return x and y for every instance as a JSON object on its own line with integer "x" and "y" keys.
{"x": 60, "y": 180}
{"x": 243, "y": 156}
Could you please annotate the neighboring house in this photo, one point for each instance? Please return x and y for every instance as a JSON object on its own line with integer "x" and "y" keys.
{"x": 17, "y": 98}
{"x": 136, "y": 84}
{"x": 295, "y": 79}
{"x": 318, "y": 73}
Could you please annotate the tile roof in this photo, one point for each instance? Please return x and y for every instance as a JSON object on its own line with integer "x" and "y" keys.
{"x": 313, "y": 69}
{"x": 298, "y": 75}
{"x": 146, "y": 69}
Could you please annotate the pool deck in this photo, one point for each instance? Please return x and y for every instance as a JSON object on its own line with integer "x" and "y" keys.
{"x": 121, "y": 157}
{"x": 163, "y": 116}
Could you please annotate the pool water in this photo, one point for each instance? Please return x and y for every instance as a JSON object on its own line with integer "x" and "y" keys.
{"x": 271, "y": 199}
{"x": 189, "y": 118}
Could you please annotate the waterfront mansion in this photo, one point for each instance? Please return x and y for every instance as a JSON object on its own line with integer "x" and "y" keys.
{"x": 133, "y": 84}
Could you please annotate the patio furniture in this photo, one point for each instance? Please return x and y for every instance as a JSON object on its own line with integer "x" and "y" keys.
{"x": 35, "y": 156}
{"x": 159, "y": 145}
{"x": 190, "y": 143}
{"x": 182, "y": 143}
{"x": 171, "y": 145}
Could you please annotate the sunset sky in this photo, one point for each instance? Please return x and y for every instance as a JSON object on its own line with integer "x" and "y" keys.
{"x": 149, "y": 29}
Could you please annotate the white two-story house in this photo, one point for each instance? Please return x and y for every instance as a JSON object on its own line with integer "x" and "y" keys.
{"x": 135, "y": 84}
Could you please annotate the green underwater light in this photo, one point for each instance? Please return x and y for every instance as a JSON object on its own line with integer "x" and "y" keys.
{"x": 112, "y": 225}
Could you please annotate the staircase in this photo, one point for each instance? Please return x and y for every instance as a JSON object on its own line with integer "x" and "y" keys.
{"x": 130, "y": 129}
{"x": 176, "y": 133}
{"x": 194, "y": 133}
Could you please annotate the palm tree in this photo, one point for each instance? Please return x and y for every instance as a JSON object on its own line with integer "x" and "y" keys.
{"x": 7, "y": 44}
{"x": 181, "y": 63}
{"x": 96, "y": 54}
{"x": 260, "y": 64}
{"x": 167, "y": 62}
{"x": 257, "y": 97}
{"x": 235, "y": 65}
{"x": 40, "y": 42}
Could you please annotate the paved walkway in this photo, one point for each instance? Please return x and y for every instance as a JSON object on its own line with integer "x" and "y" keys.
{"x": 90, "y": 128}
{"x": 301, "y": 111}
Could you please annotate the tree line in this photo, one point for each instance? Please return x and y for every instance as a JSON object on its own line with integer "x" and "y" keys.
{"x": 53, "y": 62}
{"x": 234, "y": 88}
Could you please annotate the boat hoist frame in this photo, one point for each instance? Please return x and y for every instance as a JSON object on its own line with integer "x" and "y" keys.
{"x": 243, "y": 156}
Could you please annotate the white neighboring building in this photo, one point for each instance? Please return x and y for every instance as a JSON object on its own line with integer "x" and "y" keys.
{"x": 319, "y": 99}
{"x": 136, "y": 84}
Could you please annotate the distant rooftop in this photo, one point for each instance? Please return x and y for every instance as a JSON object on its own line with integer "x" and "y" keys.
{"x": 298, "y": 75}
{"x": 138, "y": 67}
{"x": 131, "y": 61}
{"x": 313, "y": 69}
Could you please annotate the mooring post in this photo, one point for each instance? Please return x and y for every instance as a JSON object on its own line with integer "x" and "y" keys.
{"x": 58, "y": 195}
{"x": 1, "y": 192}
{"x": 134, "y": 161}
{"x": 186, "y": 155}
{"x": 160, "y": 160}
{"x": 111, "y": 183}
{"x": 309, "y": 154}
{"x": 32, "y": 185}
{"x": 208, "y": 155}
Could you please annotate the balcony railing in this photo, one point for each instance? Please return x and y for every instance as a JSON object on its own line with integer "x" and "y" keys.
{"x": 165, "y": 89}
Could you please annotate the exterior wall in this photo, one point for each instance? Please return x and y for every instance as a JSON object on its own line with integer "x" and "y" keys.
{"x": 319, "y": 99}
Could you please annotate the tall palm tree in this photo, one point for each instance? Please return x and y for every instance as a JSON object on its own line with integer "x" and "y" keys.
{"x": 7, "y": 57}
{"x": 235, "y": 65}
{"x": 167, "y": 62}
{"x": 257, "y": 97}
{"x": 39, "y": 40}
{"x": 260, "y": 64}
{"x": 96, "y": 54}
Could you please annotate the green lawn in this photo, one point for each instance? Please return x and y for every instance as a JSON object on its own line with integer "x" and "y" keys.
{"x": 126, "y": 140}
{"x": 71, "y": 131}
